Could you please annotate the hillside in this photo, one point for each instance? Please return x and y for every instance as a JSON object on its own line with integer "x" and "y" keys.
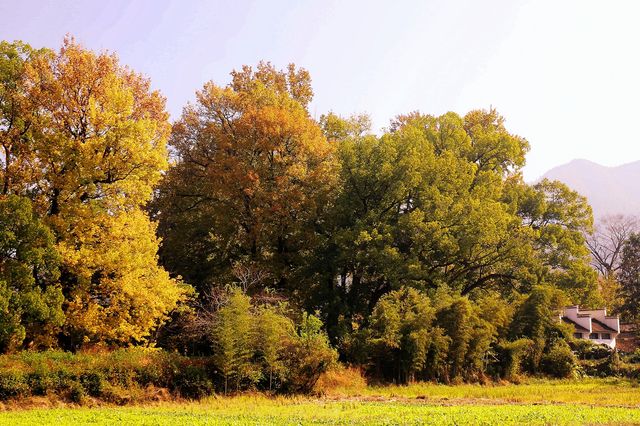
{"x": 610, "y": 190}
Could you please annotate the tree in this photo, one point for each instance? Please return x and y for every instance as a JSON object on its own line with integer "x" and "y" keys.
{"x": 471, "y": 331}
{"x": 233, "y": 337}
{"x": 336, "y": 128}
{"x": 307, "y": 355}
{"x": 467, "y": 237}
{"x": 440, "y": 200}
{"x": 536, "y": 318}
{"x": 606, "y": 244}
{"x": 629, "y": 278}
{"x": 118, "y": 293}
{"x": 253, "y": 173}
{"x": 442, "y": 335}
{"x": 93, "y": 139}
{"x": 607, "y": 241}
{"x": 402, "y": 329}
{"x": 253, "y": 343}
{"x": 17, "y": 113}
{"x": 556, "y": 220}
{"x": 274, "y": 329}
{"x": 30, "y": 295}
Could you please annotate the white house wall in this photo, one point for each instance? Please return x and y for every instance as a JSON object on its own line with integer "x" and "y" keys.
{"x": 583, "y": 318}
{"x": 609, "y": 342}
{"x": 601, "y": 315}
{"x": 583, "y": 321}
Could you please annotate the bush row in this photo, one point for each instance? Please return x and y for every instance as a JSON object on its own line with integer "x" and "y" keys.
{"x": 113, "y": 377}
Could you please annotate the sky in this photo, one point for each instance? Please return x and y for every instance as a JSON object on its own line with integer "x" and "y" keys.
{"x": 564, "y": 74}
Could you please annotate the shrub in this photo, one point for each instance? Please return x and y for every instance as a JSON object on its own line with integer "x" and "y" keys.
{"x": 77, "y": 393}
{"x": 192, "y": 381}
{"x": 633, "y": 357}
{"x": 93, "y": 383}
{"x": 133, "y": 374}
{"x": 615, "y": 364}
{"x": 585, "y": 349}
{"x": 631, "y": 371}
{"x": 307, "y": 356}
{"x": 13, "y": 384}
{"x": 120, "y": 374}
{"x": 63, "y": 378}
{"x": 511, "y": 356}
{"x": 114, "y": 394}
{"x": 42, "y": 381}
{"x": 158, "y": 372}
{"x": 559, "y": 361}
{"x": 115, "y": 376}
{"x": 594, "y": 368}
{"x": 341, "y": 379}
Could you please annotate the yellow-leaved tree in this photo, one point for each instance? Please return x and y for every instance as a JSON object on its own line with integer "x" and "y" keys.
{"x": 98, "y": 147}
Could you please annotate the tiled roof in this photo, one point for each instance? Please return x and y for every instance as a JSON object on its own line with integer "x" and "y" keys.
{"x": 598, "y": 326}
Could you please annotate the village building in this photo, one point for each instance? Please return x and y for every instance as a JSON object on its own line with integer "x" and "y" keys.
{"x": 593, "y": 324}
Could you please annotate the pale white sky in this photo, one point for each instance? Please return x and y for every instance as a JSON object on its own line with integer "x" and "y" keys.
{"x": 565, "y": 74}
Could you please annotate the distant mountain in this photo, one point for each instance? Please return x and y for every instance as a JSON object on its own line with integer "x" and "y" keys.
{"x": 610, "y": 190}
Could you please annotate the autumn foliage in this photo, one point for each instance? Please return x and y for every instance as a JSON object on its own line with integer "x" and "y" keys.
{"x": 272, "y": 242}
{"x": 252, "y": 176}
{"x": 90, "y": 148}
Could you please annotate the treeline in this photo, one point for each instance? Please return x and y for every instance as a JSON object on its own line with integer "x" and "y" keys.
{"x": 265, "y": 235}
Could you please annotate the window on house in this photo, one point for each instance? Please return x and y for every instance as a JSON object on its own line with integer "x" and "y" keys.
{"x": 577, "y": 335}
{"x": 606, "y": 336}
{"x": 593, "y": 336}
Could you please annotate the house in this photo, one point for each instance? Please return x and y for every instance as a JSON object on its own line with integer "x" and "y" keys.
{"x": 593, "y": 324}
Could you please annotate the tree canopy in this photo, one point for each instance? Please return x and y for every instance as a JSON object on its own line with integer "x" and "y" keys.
{"x": 252, "y": 176}
{"x": 440, "y": 201}
{"x": 268, "y": 235}
{"x": 93, "y": 140}
{"x": 30, "y": 296}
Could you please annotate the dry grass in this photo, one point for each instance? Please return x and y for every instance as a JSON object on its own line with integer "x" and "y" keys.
{"x": 341, "y": 381}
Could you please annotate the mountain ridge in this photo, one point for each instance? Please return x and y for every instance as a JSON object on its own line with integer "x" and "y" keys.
{"x": 609, "y": 189}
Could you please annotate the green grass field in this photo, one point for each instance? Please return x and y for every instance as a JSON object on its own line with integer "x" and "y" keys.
{"x": 537, "y": 402}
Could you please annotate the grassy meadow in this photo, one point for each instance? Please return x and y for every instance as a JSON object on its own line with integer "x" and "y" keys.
{"x": 591, "y": 401}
